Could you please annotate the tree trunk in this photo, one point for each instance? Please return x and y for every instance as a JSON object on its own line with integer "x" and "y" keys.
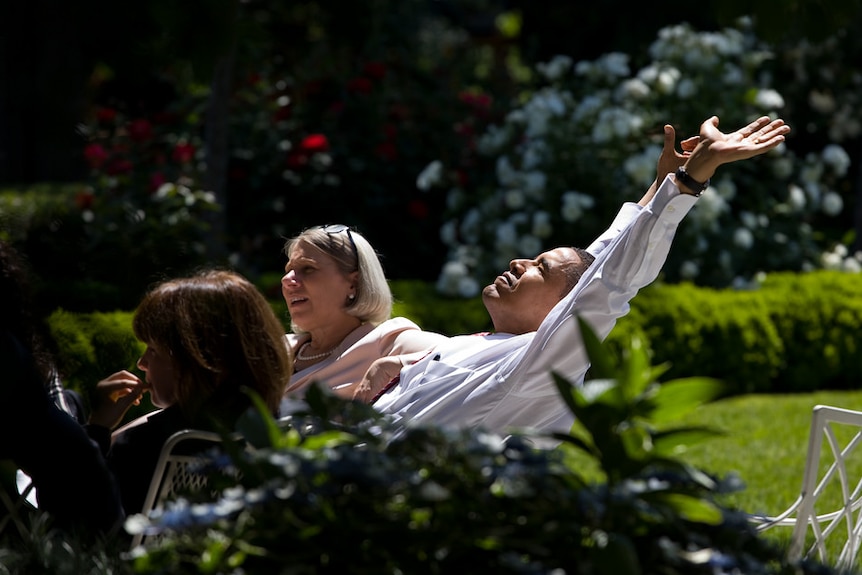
{"x": 217, "y": 149}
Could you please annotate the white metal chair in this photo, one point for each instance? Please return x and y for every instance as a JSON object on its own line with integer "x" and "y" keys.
{"x": 826, "y": 473}
{"x": 178, "y": 470}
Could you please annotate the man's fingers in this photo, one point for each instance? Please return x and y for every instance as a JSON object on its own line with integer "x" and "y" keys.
{"x": 689, "y": 144}
{"x": 669, "y": 137}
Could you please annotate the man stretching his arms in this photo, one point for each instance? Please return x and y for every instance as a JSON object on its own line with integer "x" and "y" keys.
{"x": 502, "y": 380}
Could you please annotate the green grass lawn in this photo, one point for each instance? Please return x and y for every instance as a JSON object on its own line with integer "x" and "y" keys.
{"x": 765, "y": 443}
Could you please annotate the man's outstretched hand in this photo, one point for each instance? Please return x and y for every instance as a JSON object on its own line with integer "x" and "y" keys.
{"x": 716, "y": 148}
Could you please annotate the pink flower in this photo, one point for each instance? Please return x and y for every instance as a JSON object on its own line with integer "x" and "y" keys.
{"x": 183, "y": 152}
{"x": 156, "y": 181}
{"x": 95, "y": 155}
{"x": 140, "y": 130}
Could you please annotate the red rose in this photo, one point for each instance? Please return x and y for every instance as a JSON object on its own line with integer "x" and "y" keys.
{"x": 84, "y": 199}
{"x": 140, "y": 130}
{"x": 95, "y": 155}
{"x": 183, "y": 152}
{"x": 163, "y": 118}
{"x": 156, "y": 181}
{"x": 479, "y": 101}
{"x": 314, "y": 143}
{"x": 387, "y": 151}
{"x": 106, "y": 115}
{"x": 296, "y": 159}
{"x": 118, "y": 167}
{"x": 464, "y": 129}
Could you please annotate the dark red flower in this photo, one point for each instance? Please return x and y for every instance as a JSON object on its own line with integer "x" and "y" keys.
{"x": 374, "y": 70}
{"x": 314, "y": 143}
{"x": 140, "y": 130}
{"x": 162, "y": 118}
{"x": 336, "y": 107}
{"x": 313, "y": 87}
{"x": 463, "y": 178}
{"x": 399, "y": 112}
{"x": 465, "y": 129}
{"x": 84, "y": 199}
{"x": 359, "y": 85}
{"x": 390, "y": 131}
{"x": 479, "y": 101}
{"x": 95, "y": 155}
{"x": 417, "y": 209}
{"x": 106, "y": 115}
{"x": 183, "y": 152}
{"x": 118, "y": 166}
{"x": 156, "y": 181}
{"x": 296, "y": 159}
{"x": 283, "y": 113}
{"x": 387, "y": 151}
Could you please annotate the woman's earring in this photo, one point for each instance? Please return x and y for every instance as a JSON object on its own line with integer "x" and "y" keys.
{"x": 351, "y": 297}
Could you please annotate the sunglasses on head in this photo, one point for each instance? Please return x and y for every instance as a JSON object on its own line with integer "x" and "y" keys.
{"x": 334, "y": 229}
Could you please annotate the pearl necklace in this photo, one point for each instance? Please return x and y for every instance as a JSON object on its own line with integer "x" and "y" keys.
{"x": 301, "y": 357}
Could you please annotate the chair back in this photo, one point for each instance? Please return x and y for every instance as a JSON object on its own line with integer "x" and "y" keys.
{"x": 178, "y": 470}
{"x": 826, "y": 517}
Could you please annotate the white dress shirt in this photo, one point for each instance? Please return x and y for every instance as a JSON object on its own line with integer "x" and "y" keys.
{"x": 502, "y": 382}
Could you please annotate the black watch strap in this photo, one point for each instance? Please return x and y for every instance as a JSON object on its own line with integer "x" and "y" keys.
{"x": 683, "y": 178}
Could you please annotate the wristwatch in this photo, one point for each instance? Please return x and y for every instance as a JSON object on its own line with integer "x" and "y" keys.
{"x": 683, "y": 178}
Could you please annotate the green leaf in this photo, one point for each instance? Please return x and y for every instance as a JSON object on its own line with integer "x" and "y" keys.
{"x": 602, "y": 364}
{"x": 636, "y": 373}
{"x": 673, "y": 442}
{"x": 599, "y": 391}
{"x": 692, "y": 508}
{"x": 677, "y": 397}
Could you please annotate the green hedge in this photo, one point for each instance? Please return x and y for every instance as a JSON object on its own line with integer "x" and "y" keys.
{"x": 798, "y": 332}
{"x": 92, "y": 346}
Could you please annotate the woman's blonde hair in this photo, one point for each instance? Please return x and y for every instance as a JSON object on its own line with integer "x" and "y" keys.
{"x": 222, "y": 336}
{"x": 351, "y": 253}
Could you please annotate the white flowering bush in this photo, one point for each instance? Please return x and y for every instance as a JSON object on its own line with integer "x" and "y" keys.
{"x": 586, "y": 138}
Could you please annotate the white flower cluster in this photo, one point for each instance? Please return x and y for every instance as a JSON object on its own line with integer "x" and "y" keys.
{"x": 840, "y": 258}
{"x": 588, "y": 138}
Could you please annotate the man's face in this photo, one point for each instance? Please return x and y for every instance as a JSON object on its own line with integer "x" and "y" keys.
{"x": 520, "y": 298}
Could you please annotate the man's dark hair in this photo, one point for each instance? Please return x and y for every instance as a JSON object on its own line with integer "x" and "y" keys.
{"x": 575, "y": 271}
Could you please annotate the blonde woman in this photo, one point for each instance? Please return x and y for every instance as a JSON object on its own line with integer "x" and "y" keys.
{"x": 340, "y": 309}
